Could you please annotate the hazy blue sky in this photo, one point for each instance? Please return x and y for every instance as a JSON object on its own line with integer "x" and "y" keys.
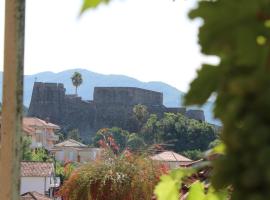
{"x": 151, "y": 40}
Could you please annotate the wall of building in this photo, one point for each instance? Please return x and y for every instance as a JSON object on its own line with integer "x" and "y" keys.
{"x": 71, "y": 154}
{"x": 38, "y": 184}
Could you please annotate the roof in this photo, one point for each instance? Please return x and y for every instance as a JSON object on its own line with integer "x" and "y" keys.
{"x": 30, "y": 123}
{"x": 34, "y": 196}
{"x": 170, "y": 156}
{"x": 70, "y": 143}
{"x": 36, "y": 169}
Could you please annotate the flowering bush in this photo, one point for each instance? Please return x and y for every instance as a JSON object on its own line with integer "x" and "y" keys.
{"x": 123, "y": 177}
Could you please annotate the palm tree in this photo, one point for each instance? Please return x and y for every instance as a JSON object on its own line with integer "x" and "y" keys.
{"x": 76, "y": 81}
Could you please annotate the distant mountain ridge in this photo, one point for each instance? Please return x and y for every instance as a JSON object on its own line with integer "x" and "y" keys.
{"x": 172, "y": 96}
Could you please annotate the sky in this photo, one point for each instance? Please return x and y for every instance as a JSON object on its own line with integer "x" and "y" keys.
{"x": 151, "y": 40}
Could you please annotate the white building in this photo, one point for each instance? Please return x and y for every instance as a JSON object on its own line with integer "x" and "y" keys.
{"x": 172, "y": 159}
{"x": 74, "y": 151}
{"x": 38, "y": 177}
{"x": 42, "y": 133}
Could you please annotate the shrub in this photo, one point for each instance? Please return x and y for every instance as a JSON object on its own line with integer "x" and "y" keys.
{"x": 123, "y": 177}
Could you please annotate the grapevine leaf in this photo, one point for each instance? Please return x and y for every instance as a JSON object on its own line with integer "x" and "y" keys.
{"x": 216, "y": 195}
{"x": 178, "y": 174}
{"x": 219, "y": 149}
{"x": 169, "y": 185}
{"x": 203, "y": 86}
{"x": 90, "y": 4}
{"x": 167, "y": 189}
{"x": 196, "y": 191}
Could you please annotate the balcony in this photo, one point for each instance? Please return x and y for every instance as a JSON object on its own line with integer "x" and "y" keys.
{"x": 53, "y": 137}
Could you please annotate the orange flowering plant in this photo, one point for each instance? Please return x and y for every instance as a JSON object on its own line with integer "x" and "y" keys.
{"x": 124, "y": 176}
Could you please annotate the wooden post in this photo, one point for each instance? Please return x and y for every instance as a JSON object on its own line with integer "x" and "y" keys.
{"x": 12, "y": 100}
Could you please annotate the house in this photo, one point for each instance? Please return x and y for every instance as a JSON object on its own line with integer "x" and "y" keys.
{"x": 42, "y": 133}
{"x": 72, "y": 150}
{"x": 34, "y": 196}
{"x": 172, "y": 159}
{"x": 39, "y": 177}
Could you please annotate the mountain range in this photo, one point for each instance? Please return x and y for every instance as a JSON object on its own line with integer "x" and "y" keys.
{"x": 172, "y": 96}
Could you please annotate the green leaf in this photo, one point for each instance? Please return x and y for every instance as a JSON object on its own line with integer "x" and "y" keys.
{"x": 90, "y": 4}
{"x": 169, "y": 185}
{"x": 178, "y": 174}
{"x": 203, "y": 86}
{"x": 214, "y": 195}
{"x": 261, "y": 40}
{"x": 196, "y": 191}
{"x": 220, "y": 149}
{"x": 167, "y": 189}
{"x": 267, "y": 23}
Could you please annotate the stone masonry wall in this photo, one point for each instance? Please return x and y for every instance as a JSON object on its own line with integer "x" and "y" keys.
{"x": 111, "y": 106}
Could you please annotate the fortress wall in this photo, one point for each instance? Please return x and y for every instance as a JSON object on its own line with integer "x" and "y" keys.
{"x": 46, "y": 101}
{"x": 126, "y": 96}
{"x": 112, "y": 106}
{"x": 176, "y": 110}
{"x": 196, "y": 114}
{"x": 115, "y": 105}
{"x": 78, "y": 114}
{"x": 109, "y": 116}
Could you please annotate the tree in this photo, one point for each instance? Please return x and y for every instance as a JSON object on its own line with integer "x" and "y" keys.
{"x": 135, "y": 143}
{"x": 26, "y": 150}
{"x": 74, "y": 134}
{"x": 41, "y": 154}
{"x": 62, "y": 136}
{"x": 141, "y": 114}
{"x": 150, "y": 130}
{"x": 178, "y": 132}
{"x": 119, "y": 135}
{"x": 193, "y": 154}
{"x": 76, "y": 81}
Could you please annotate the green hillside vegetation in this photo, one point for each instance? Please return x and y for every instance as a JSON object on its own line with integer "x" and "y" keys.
{"x": 172, "y": 132}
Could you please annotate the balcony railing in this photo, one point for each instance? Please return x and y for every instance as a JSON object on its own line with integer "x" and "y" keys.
{"x": 53, "y": 137}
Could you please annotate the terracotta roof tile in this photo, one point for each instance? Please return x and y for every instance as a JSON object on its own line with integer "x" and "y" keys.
{"x": 170, "y": 156}
{"x": 33, "y": 121}
{"x": 70, "y": 143}
{"x": 36, "y": 169}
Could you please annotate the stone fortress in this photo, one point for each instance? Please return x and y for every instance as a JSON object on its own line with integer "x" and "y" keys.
{"x": 111, "y": 106}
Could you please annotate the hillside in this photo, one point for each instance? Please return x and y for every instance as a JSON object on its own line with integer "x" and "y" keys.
{"x": 172, "y": 96}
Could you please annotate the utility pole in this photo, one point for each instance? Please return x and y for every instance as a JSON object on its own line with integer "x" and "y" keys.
{"x": 10, "y": 154}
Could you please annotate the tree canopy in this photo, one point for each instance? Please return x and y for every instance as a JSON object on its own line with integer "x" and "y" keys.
{"x": 173, "y": 132}
{"x": 76, "y": 81}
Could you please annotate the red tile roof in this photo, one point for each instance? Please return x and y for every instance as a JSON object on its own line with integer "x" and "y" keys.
{"x": 34, "y": 196}
{"x": 36, "y": 169}
{"x": 170, "y": 156}
{"x": 70, "y": 143}
{"x": 29, "y": 124}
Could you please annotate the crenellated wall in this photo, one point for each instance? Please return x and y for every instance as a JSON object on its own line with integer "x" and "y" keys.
{"x": 111, "y": 106}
